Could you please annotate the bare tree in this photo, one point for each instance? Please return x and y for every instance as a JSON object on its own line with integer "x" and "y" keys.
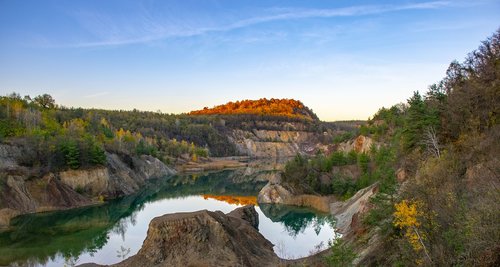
{"x": 432, "y": 142}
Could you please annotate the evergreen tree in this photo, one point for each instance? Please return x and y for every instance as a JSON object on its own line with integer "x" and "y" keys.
{"x": 72, "y": 154}
{"x": 419, "y": 118}
{"x": 363, "y": 162}
{"x": 97, "y": 155}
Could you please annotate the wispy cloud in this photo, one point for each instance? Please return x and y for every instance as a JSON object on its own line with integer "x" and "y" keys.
{"x": 96, "y": 95}
{"x": 144, "y": 28}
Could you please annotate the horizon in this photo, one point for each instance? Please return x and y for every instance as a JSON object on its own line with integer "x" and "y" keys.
{"x": 343, "y": 60}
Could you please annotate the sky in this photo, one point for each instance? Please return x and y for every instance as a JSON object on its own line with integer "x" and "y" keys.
{"x": 343, "y": 59}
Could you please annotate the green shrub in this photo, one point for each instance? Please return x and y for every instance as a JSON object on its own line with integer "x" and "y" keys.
{"x": 295, "y": 170}
{"x": 343, "y": 137}
{"x": 10, "y": 128}
{"x": 352, "y": 157}
{"x": 342, "y": 255}
{"x": 338, "y": 158}
{"x": 80, "y": 190}
{"x": 201, "y": 152}
{"x": 143, "y": 148}
{"x": 343, "y": 186}
{"x": 363, "y": 162}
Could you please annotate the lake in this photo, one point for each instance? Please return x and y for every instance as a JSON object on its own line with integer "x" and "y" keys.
{"x": 111, "y": 232}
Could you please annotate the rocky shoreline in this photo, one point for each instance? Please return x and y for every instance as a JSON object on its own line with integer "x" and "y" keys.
{"x": 28, "y": 189}
{"x": 206, "y": 238}
{"x": 24, "y": 190}
{"x": 125, "y": 175}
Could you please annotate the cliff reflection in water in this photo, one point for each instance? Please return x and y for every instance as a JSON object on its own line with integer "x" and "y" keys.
{"x": 63, "y": 237}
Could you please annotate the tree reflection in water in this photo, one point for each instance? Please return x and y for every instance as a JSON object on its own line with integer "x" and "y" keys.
{"x": 36, "y": 239}
{"x": 296, "y": 219}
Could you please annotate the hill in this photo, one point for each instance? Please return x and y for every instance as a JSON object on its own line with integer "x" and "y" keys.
{"x": 272, "y": 107}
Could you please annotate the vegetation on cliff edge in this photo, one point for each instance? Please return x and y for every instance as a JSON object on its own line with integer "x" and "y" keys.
{"x": 270, "y": 107}
{"x": 445, "y": 211}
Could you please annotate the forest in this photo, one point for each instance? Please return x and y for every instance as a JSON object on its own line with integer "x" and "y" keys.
{"x": 59, "y": 137}
{"x": 444, "y": 210}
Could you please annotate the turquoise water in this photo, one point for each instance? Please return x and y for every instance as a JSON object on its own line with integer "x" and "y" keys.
{"x": 109, "y": 233}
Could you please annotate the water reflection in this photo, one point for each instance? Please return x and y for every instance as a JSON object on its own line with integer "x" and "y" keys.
{"x": 297, "y": 219}
{"x": 118, "y": 228}
{"x": 41, "y": 237}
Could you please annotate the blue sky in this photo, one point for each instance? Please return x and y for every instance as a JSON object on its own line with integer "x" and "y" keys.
{"x": 344, "y": 59}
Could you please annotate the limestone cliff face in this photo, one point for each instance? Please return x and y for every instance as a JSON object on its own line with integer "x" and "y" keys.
{"x": 274, "y": 143}
{"x": 361, "y": 144}
{"x": 205, "y": 238}
{"x": 20, "y": 195}
{"x": 94, "y": 181}
{"x": 117, "y": 178}
{"x": 49, "y": 193}
{"x": 127, "y": 178}
{"x": 23, "y": 191}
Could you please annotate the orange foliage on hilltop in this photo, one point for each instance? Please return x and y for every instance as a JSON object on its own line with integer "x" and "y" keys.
{"x": 263, "y": 106}
{"x": 238, "y": 200}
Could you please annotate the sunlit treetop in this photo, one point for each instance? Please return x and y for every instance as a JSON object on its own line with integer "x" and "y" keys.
{"x": 273, "y": 107}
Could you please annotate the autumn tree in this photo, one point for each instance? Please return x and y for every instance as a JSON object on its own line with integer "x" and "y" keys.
{"x": 263, "y": 106}
{"x": 406, "y": 219}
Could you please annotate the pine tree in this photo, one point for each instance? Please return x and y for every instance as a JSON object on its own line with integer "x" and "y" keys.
{"x": 97, "y": 155}
{"x": 72, "y": 155}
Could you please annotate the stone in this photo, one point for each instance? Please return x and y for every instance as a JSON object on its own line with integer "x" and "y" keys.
{"x": 246, "y": 213}
{"x": 204, "y": 238}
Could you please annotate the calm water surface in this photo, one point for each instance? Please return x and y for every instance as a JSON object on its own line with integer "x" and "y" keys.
{"x": 112, "y": 232}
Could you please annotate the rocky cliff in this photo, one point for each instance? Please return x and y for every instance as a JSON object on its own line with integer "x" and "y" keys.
{"x": 288, "y": 141}
{"x": 348, "y": 213}
{"x": 360, "y": 144}
{"x": 24, "y": 190}
{"x": 205, "y": 238}
{"x": 275, "y": 139}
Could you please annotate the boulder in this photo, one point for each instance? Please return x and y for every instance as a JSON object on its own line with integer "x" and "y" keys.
{"x": 274, "y": 194}
{"x": 401, "y": 175}
{"x": 246, "y": 213}
{"x": 204, "y": 238}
